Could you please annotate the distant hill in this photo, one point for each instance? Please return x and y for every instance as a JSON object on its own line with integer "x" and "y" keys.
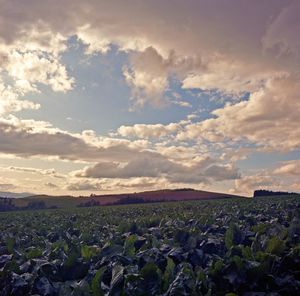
{"x": 126, "y": 198}
{"x": 163, "y": 195}
{"x": 14, "y": 194}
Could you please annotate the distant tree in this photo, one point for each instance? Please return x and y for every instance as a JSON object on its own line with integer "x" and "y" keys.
{"x": 6, "y": 204}
{"x": 262, "y": 192}
{"x": 91, "y": 203}
{"x": 135, "y": 200}
{"x": 36, "y": 205}
{"x": 184, "y": 189}
{"x": 129, "y": 200}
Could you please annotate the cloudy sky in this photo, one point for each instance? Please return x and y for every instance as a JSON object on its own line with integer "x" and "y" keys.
{"x": 120, "y": 96}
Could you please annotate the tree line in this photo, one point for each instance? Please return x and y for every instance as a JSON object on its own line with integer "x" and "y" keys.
{"x": 263, "y": 192}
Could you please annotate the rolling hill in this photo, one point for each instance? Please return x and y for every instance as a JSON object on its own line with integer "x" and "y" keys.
{"x": 109, "y": 199}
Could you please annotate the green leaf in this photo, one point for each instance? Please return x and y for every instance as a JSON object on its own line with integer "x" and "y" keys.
{"x": 247, "y": 253}
{"x": 168, "y": 274}
{"x": 150, "y": 271}
{"x": 117, "y": 280}
{"x": 66, "y": 247}
{"x": 275, "y": 246}
{"x": 10, "y": 243}
{"x": 260, "y": 228}
{"x": 34, "y": 253}
{"x": 233, "y": 236}
{"x": 238, "y": 262}
{"x": 96, "y": 283}
{"x": 129, "y": 248}
{"x": 201, "y": 276}
{"x": 87, "y": 252}
{"x": 72, "y": 258}
{"x": 216, "y": 268}
{"x": 184, "y": 283}
{"x": 151, "y": 275}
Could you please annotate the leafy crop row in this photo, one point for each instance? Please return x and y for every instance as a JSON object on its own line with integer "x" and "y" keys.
{"x": 221, "y": 247}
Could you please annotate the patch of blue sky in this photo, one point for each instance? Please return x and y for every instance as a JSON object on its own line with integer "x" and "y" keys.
{"x": 100, "y": 99}
{"x": 206, "y": 101}
{"x": 267, "y": 160}
{"x": 200, "y": 101}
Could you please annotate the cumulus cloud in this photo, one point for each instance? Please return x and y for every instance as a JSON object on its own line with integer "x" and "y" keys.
{"x": 184, "y": 154}
{"x": 10, "y": 98}
{"x": 230, "y": 77}
{"x": 205, "y": 45}
{"x": 29, "y": 68}
{"x": 149, "y": 73}
{"x": 30, "y": 56}
{"x": 7, "y": 186}
{"x": 147, "y": 77}
{"x": 116, "y": 185}
{"x": 139, "y": 183}
{"x": 116, "y": 158}
{"x": 149, "y": 130}
{"x": 269, "y": 118}
{"x": 247, "y": 184}
{"x": 282, "y": 34}
{"x": 155, "y": 165}
{"x": 51, "y": 185}
{"x": 284, "y": 178}
{"x": 290, "y": 168}
{"x": 27, "y": 138}
{"x": 44, "y": 172}
{"x": 85, "y": 185}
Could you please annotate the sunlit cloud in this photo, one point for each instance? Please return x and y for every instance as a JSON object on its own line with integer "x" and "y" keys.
{"x": 168, "y": 61}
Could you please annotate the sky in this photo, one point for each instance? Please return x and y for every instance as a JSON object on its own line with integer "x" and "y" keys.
{"x": 126, "y": 96}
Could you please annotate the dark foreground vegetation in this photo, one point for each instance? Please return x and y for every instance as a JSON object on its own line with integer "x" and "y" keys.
{"x": 218, "y": 247}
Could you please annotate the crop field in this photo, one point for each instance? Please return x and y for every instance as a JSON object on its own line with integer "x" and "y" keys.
{"x": 218, "y": 247}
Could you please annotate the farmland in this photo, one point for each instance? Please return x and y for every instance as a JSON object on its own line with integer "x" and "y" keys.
{"x": 216, "y": 247}
{"x": 110, "y": 199}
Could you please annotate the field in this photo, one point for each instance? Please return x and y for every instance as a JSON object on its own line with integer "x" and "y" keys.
{"x": 109, "y": 199}
{"x": 217, "y": 247}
